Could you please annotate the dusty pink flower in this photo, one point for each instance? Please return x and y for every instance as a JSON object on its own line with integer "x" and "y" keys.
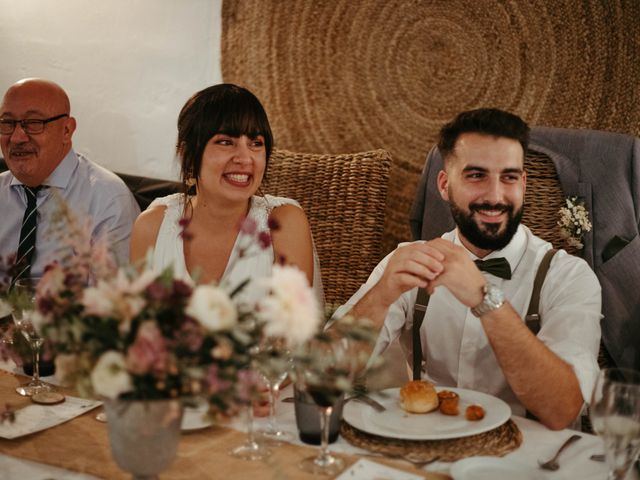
{"x": 191, "y": 335}
{"x": 148, "y": 352}
{"x": 291, "y": 309}
{"x": 183, "y": 223}
{"x": 52, "y": 281}
{"x": 248, "y": 382}
{"x": 264, "y": 240}
{"x": 248, "y": 226}
{"x": 216, "y": 384}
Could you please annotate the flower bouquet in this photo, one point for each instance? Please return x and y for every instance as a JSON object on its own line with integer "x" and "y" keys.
{"x": 138, "y": 338}
{"x": 574, "y": 222}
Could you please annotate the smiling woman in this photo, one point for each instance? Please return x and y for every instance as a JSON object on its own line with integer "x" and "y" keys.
{"x": 224, "y": 145}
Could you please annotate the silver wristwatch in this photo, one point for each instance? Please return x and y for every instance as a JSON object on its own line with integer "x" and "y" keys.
{"x": 493, "y": 299}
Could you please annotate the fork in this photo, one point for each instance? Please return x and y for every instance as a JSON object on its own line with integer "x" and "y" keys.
{"x": 553, "y": 464}
{"x": 377, "y": 406}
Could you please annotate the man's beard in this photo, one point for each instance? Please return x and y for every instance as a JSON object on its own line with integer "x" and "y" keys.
{"x": 488, "y": 236}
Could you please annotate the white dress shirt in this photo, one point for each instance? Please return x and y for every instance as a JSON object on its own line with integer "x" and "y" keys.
{"x": 454, "y": 344}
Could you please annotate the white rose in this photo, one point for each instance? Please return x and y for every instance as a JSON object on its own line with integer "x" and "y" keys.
{"x": 290, "y": 310}
{"x": 109, "y": 377}
{"x": 212, "y": 307}
{"x": 97, "y": 300}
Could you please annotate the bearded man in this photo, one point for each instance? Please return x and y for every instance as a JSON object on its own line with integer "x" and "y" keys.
{"x": 474, "y": 335}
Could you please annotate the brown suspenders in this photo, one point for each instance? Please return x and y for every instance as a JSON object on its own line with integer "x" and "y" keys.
{"x": 532, "y": 319}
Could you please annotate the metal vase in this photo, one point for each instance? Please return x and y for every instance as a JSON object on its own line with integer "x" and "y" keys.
{"x": 144, "y": 435}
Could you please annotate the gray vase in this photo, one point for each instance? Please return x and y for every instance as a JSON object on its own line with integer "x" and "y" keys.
{"x": 144, "y": 435}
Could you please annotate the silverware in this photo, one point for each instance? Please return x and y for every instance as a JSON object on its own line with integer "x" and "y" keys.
{"x": 553, "y": 464}
{"x": 377, "y": 406}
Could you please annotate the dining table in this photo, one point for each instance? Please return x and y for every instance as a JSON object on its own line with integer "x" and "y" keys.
{"x": 79, "y": 449}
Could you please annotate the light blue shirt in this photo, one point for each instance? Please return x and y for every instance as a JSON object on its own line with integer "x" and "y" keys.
{"x": 91, "y": 192}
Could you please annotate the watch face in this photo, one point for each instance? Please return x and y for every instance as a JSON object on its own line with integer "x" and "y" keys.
{"x": 494, "y": 295}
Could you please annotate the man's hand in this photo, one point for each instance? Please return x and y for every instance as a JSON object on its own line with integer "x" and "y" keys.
{"x": 411, "y": 266}
{"x": 460, "y": 275}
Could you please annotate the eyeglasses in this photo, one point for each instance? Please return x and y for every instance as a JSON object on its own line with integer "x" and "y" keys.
{"x": 30, "y": 125}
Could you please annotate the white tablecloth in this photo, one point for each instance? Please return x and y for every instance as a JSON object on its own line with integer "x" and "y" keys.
{"x": 538, "y": 443}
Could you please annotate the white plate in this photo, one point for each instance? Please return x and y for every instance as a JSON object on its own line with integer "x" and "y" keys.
{"x": 492, "y": 468}
{"x": 396, "y": 423}
{"x": 195, "y": 418}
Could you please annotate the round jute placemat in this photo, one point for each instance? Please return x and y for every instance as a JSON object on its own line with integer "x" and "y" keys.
{"x": 497, "y": 442}
{"x": 345, "y": 76}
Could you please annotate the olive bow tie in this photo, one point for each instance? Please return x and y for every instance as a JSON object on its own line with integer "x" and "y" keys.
{"x": 495, "y": 266}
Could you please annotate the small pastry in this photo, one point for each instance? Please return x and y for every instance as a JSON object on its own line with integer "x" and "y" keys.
{"x": 448, "y": 402}
{"x": 474, "y": 413}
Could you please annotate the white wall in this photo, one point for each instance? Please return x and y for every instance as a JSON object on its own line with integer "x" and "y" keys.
{"x": 127, "y": 65}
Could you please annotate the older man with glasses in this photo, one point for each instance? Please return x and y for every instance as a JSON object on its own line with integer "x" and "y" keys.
{"x": 36, "y": 128}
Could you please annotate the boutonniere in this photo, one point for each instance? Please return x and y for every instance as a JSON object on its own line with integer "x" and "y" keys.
{"x": 574, "y": 221}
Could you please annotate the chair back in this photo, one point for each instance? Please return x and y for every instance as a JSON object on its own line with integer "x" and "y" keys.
{"x": 344, "y": 197}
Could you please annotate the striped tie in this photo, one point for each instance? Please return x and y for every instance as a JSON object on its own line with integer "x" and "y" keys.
{"x": 27, "y": 245}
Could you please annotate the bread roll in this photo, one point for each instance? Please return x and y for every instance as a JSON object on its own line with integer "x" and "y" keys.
{"x": 418, "y": 396}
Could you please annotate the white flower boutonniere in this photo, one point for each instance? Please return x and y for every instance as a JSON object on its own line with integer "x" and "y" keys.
{"x": 574, "y": 221}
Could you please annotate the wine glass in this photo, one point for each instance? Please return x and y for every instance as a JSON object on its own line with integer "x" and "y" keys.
{"x": 250, "y": 449}
{"x": 326, "y": 378}
{"x": 24, "y": 313}
{"x": 274, "y": 362}
{"x": 615, "y": 416}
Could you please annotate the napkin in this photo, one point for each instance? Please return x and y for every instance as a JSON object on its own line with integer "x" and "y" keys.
{"x": 366, "y": 470}
{"x": 34, "y": 418}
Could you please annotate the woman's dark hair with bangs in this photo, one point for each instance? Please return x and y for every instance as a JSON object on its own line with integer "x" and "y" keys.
{"x": 486, "y": 121}
{"x": 223, "y": 108}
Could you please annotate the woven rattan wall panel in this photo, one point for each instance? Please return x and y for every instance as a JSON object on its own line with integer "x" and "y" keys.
{"x": 342, "y": 76}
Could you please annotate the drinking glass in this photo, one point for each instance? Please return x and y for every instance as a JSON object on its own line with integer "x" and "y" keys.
{"x": 615, "y": 416}
{"x": 23, "y": 292}
{"x": 274, "y": 362}
{"x": 325, "y": 380}
{"x": 250, "y": 449}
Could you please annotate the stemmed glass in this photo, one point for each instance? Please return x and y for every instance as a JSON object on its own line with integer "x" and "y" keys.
{"x": 326, "y": 378}
{"x": 23, "y": 292}
{"x": 250, "y": 449}
{"x": 615, "y": 416}
{"x": 274, "y": 362}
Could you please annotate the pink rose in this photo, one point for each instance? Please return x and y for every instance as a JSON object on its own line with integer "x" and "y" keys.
{"x": 148, "y": 353}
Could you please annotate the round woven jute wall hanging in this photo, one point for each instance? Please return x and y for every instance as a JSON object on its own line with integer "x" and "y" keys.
{"x": 344, "y": 76}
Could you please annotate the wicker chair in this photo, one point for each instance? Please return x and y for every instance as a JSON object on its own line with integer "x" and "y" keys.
{"x": 344, "y": 198}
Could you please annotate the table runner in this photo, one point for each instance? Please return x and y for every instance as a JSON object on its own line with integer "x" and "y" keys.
{"x": 82, "y": 445}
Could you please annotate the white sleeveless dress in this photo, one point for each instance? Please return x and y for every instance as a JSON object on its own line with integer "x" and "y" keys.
{"x": 169, "y": 249}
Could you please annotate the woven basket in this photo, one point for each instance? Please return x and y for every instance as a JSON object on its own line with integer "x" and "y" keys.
{"x": 348, "y": 76}
{"x": 344, "y": 197}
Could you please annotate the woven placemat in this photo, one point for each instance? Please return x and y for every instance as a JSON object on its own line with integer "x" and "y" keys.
{"x": 497, "y": 442}
{"x": 345, "y": 76}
